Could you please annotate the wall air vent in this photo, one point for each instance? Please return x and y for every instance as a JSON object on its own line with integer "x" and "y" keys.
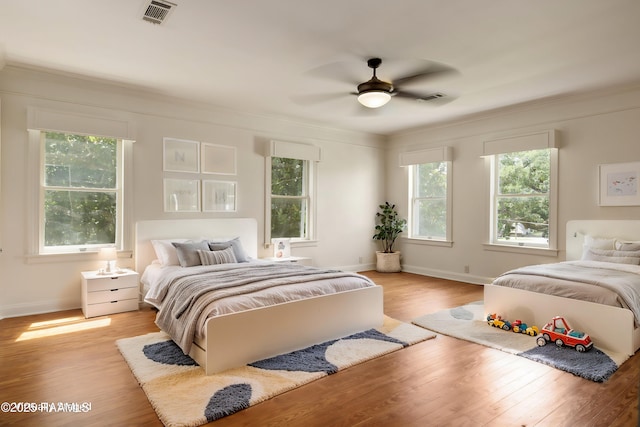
{"x": 157, "y": 11}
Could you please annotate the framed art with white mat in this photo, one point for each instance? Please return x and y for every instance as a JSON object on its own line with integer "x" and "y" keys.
{"x": 219, "y": 196}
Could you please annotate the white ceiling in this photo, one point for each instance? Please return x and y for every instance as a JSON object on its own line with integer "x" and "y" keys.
{"x": 269, "y": 57}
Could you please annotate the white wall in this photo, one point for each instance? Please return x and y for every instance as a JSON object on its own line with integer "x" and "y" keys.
{"x": 594, "y": 129}
{"x": 350, "y": 179}
{"x": 357, "y": 172}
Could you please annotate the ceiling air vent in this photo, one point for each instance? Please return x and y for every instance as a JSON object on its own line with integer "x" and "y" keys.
{"x": 157, "y": 11}
{"x": 430, "y": 97}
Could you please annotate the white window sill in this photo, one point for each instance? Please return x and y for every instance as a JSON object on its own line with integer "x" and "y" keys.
{"x": 297, "y": 244}
{"x": 427, "y": 242}
{"x": 71, "y": 257}
{"x": 526, "y": 250}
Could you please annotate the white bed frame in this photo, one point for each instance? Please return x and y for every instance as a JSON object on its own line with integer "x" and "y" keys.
{"x": 610, "y": 328}
{"x": 237, "y": 339}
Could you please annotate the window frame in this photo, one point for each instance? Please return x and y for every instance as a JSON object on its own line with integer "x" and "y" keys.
{"x": 491, "y": 165}
{"x": 413, "y": 177}
{"x": 118, "y": 190}
{"x": 310, "y": 154}
{"x": 305, "y": 196}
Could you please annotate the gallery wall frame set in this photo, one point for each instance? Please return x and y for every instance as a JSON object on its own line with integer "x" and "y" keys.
{"x": 186, "y": 194}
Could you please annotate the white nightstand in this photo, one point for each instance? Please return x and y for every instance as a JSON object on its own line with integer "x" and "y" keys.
{"x": 109, "y": 293}
{"x": 303, "y": 260}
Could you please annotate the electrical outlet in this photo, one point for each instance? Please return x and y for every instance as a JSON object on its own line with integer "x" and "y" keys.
{"x": 466, "y": 268}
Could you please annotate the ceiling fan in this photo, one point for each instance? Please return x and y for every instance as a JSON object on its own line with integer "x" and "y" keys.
{"x": 375, "y": 93}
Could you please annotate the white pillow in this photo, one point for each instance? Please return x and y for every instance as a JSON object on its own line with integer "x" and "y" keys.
{"x": 599, "y": 242}
{"x": 166, "y": 252}
{"x": 619, "y": 257}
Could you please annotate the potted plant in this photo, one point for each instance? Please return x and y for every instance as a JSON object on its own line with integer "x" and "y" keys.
{"x": 388, "y": 228}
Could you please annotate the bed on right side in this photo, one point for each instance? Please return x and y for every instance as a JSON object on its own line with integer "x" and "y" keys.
{"x": 597, "y": 288}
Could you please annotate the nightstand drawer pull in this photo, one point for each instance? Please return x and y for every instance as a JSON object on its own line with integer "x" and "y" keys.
{"x": 113, "y": 290}
{"x": 114, "y": 278}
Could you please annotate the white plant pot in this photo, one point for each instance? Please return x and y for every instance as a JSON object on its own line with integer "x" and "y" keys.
{"x": 388, "y": 262}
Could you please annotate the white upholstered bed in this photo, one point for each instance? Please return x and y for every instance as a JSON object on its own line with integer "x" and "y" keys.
{"x": 610, "y": 327}
{"x": 235, "y": 339}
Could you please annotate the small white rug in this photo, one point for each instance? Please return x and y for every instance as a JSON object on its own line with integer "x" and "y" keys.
{"x": 182, "y": 395}
{"x": 469, "y": 323}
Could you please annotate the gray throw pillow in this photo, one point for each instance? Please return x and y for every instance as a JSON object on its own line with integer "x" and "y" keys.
{"x": 238, "y": 250}
{"x": 188, "y": 252}
{"x": 224, "y": 256}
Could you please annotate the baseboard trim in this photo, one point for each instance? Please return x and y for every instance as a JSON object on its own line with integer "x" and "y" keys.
{"x": 449, "y": 275}
{"x": 357, "y": 267}
{"x": 40, "y": 307}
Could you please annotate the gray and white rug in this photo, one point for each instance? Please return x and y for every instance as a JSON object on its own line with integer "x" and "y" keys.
{"x": 469, "y": 323}
{"x": 182, "y": 395}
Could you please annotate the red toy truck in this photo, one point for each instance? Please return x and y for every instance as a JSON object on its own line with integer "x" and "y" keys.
{"x": 558, "y": 331}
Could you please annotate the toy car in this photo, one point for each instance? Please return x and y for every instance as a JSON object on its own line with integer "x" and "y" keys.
{"x": 497, "y": 322}
{"x": 523, "y": 328}
{"x": 558, "y": 331}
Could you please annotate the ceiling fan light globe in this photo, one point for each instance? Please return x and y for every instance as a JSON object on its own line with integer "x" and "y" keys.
{"x": 374, "y": 98}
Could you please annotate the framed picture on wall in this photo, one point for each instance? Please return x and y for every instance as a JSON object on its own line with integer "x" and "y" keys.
{"x": 218, "y": 159}
{"x": 619, "y": 184}
{"x": 181, "y": 195}
{"x": 181, "y": 155}
{"x": 218, "y": 196}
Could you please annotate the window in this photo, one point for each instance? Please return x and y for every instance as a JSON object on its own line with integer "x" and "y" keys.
{"x": 429, "y": 173}
{"x": 290, "y": 202}
{"x": 523, "y": 173}
{"x": 81, "y": 192}
{"x": 290, "y": 190}
{"x": 428, "y": 187}
{"x": 521, "y": 198}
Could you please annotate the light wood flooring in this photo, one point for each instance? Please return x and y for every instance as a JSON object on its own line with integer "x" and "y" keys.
{"x": 440, "y": 382}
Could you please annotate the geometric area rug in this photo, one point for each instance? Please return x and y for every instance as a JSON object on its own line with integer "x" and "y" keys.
{"x": 469, "y": 323}
{"x": 182, "y": 395}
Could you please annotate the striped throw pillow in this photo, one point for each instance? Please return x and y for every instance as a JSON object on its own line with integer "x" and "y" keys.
{"x": 225, "y": 256}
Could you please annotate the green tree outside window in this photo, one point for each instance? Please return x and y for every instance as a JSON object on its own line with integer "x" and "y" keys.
{"x": 289, "y": 198}
{"x": 80, "y": 189}
{"x": 522, "y": 196}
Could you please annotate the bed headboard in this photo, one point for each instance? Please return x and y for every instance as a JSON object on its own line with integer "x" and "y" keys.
{"x": 245, "y": 228}
{"x": 576, "y": 230}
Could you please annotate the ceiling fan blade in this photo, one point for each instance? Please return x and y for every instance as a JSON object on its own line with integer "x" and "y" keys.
{"x": 338, "y": 71}
{"x": 433, "y": 98}
{"x": 433, "y": 70}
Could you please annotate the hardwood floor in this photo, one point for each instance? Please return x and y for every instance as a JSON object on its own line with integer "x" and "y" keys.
{"x": 439, "y": 382}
